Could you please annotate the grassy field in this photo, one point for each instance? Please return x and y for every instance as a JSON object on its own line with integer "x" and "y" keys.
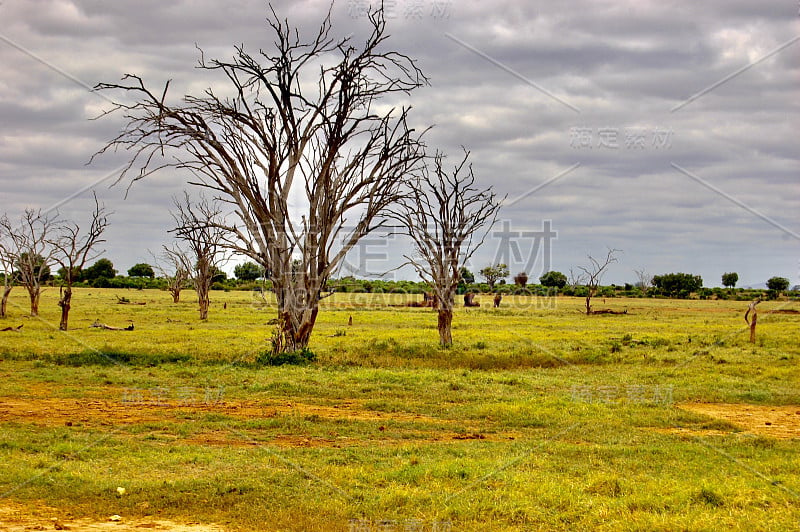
{"x": 538, "y": 417}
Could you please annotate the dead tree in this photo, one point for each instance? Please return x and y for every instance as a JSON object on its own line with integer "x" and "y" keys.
{"x": 302, "y": 149}
{"x": 752, "y": 313}
{"x": 72, "y": 250}
{"x": 6, "y": 264}
{"x": 444, "y": 213}
{"x": 593, "y": 274}
{"x": 199, "y": 227}
{"x": 171, "y": 266}
{"x": 645, "y": 280}
{"x": 28, "y": 245}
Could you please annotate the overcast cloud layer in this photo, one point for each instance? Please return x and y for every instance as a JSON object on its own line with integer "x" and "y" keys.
{"x": 668, "y": 130}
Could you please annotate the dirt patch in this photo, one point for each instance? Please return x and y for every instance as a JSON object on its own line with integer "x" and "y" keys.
{"x": 782, "y": 422}
{"x": 89, "y": 412}
{"x": 92, "y": 412}
{"x": 17, "y": 518}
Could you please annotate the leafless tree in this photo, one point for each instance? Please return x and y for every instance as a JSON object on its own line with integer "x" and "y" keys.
{"x": 593, "y": 274}
{"x": 199, "y": 226}
{"x": 574, "y": 279}
{"x": 29, "y": 246}
{"x": 7, "y": 260}
{"x": 307, "y": 165}
{"x": 172, "y": 267}
{"x": 443, "y": 213}
{"x": 645, "y": 280}
{"x": 72, "y": 250}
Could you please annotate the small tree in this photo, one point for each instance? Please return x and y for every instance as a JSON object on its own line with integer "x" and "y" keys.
{"x": 72, "y": 250}
{"x": 593, "y": 274}
{"x": 521, "y": 280}
{"x": 7, "y": 260}
{"x": 778, "y": 284}
{"x": 645, "y": 280}
{"x": 494, "y": 273}
{"x": 198, "y": 225}
{"x": 103, "y": 268}
{"x": 248, "y": 271}
{"x": 141, "y": 270}
{"x": 553, "y": 279}
{"x": 466, "y": 276}
{"x": 173, "y": 267}
{"x": 729, "y": 280}
{"x": 443, "y": 212}
{"x": 29, "y": 246}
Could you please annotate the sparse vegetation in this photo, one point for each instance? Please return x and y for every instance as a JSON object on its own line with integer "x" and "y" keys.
{"x": 196, "y": 423}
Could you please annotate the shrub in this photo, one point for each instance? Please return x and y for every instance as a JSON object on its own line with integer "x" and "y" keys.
{"x": 295, "y": 358}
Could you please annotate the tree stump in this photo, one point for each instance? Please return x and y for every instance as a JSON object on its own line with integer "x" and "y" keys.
{"x": 751, "y": 308}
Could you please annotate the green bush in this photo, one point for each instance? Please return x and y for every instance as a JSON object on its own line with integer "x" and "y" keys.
{"x": 295, "y": 358}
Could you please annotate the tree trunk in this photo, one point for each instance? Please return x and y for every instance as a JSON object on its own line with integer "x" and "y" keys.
{"x": 4, "y": 301}
{"x": 296, "y": 330}
{"x": 202, "y": 285}
{"x": 445, "y": 326}
{"x": 298, "y": 306}
{"x": 203, "y": 300}
{"x": 753, "y": 326}
{"x": 589, "y": 296}
{"x": 34, "y": 292}
{"x": 64, "y": 303}
{"x": 176, "y": 295}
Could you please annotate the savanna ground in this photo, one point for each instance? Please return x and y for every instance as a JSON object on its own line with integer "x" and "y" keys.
{"x": 538, "y": 418}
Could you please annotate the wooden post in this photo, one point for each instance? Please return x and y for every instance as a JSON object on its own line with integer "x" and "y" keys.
{"x": 752, "y": 322}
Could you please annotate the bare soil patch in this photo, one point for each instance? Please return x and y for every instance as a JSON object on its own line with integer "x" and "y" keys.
{"x": 50, "y": 411}
{"x": 781, "y": 422}
{"x": 18, "y": 518}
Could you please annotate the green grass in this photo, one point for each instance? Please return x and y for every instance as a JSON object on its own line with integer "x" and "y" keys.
{"x": 537, "y": 418}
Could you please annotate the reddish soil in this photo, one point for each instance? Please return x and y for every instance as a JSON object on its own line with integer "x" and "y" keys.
{"x": 17, "y": 518}
{"x": 781, "y": 422}
{"x": 50, "y": 411}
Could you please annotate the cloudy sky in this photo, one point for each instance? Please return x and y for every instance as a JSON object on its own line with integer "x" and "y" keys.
{"x": 664, "y": 129}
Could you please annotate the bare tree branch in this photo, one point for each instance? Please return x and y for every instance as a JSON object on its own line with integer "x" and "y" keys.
{"x": 444, "y": 214}
{"x": 593, "y": 274}
{"x": 199, "y": 227}
{"x": 306, "y": 171}
{"x": 28, "y": 245}
{"x": 72, "y": 251}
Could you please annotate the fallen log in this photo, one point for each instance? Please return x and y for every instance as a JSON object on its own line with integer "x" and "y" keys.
{"x": 11, "y": 328}
{"x": 126, "y": 301}
{"x": 110, "y": 328}
{"x": 609, "y": 311}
